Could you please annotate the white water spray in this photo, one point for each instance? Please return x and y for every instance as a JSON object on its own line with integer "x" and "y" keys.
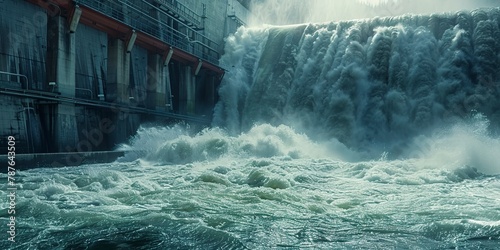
{"x": 374, "y": 85}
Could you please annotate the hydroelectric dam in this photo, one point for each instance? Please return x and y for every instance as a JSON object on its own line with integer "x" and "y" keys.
{"x": 82, "y": 76}
{"x": 374, "y": 133}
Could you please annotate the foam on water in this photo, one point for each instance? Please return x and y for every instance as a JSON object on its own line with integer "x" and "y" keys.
{"x": 467, "y": 148}
{"x": 303, "y": 195}
{"x": 264, "y": 141}
{"x": 462, "y": 146}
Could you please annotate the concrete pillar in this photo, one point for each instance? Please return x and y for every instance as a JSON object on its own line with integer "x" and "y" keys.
{"x": 118, "y": 89}
{"x": 66, "y": 134}
{"x": 61, "y": 57}
{"x": 190, "y": 85}
{"x": 156, "y": 87}
{"x": 61, "y": 61}
{"x": 186, "y": 90}
{"x": 118, "y": 78}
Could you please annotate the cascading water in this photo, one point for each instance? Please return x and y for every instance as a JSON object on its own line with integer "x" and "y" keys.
{"x": 372, "y": 84}
{"x": 368, "y": 134}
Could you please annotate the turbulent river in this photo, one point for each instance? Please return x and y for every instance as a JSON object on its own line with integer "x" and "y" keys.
{"x": 368, "y": 134}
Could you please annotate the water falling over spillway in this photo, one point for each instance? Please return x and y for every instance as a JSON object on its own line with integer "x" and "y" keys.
{"x": 374, "y": 83}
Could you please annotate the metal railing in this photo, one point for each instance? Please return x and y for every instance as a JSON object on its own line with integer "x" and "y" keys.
{"x": 136, "y": 15}
{"x": 84, "y": 90}
{"x": 201, "y": 45}
{"x": 183, "y": 11}
{"x": 40, "y": 95}
{"x": 18, "y": 75}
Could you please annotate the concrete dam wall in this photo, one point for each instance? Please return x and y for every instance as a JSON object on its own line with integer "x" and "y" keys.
{"x": 80, "y": 76}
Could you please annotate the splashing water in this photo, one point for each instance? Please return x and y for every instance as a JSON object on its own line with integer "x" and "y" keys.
{"x": 464, "y": 145}
{"x": 374, "y": 85}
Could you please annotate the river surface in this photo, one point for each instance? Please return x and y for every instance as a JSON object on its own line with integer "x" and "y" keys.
{"x": 270, "y": 188}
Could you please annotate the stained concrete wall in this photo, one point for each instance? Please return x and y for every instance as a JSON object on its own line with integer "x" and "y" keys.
{"x": 217, "y": 23}
{"x": 139, "y": 76}
{"x": 23, "y": 49}
{"x": 84, "y": 65}
{"x": 61, "y": 61}
{"x": 91, "y": 62}
{"x": 18, "y": 120}
{"x": 118, "y": 72}
{"x": 23, "y": 42}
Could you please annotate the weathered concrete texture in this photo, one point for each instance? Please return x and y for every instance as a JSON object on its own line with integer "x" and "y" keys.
{"x": 214, "y": 27}
{"x": 124, "y": 125}
{"x": 13, "y": 123}
{"x": 61, "y": 70}
{"x": 117, "y": 86}
{"x": 91, "y": 131}
{"x": 190, "y": 86}
{"x": 217, "y": 23}
{"x": 91, "y": 62}
{"x": 65, "y": 136}
{"x": 155, "y": 83}
{"x": 61, "y": 56}
{"x": 23, "y": 43}
{"x": 139, "y": 76}
{"x": 185, "y": 98}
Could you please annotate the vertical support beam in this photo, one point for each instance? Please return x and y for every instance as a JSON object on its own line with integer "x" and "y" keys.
{"x": 61, "y": 57}
{"x": 167, "y": 56}
{"x": 131, "y": 41}
{"x": 190, "y": 85}
{"x": 117, "y": 89}
{"x": 156, "y": 87}
{"x": 74, "y": 18}
{"x": 118, "y": 78}
{"x": 198, "y": 67}
{"x": 61, "y": 62}
{"x": 168, "y": 98}
{"x": 183, "y": 73}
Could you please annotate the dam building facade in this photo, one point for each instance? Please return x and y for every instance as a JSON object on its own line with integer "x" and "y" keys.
{"x": 78, "y": 76}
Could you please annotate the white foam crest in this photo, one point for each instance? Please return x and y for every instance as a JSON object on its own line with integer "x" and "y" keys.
{"x": 209, "y": 144}
{"x": 268, "y": 141}
{"x": 148, "y": 139}
{"x": 261, "y": 141}
{"x": 462, "y": 147}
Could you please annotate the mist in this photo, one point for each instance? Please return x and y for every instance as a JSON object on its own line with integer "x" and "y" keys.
{"x": 284, "y": 12}
{"x": 371, "y": 84}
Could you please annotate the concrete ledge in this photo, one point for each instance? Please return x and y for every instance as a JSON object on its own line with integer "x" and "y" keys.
{"x": 51, "y": 160}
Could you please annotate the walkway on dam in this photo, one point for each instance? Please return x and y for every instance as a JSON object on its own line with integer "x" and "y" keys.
{"x": 58, "y": 98}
